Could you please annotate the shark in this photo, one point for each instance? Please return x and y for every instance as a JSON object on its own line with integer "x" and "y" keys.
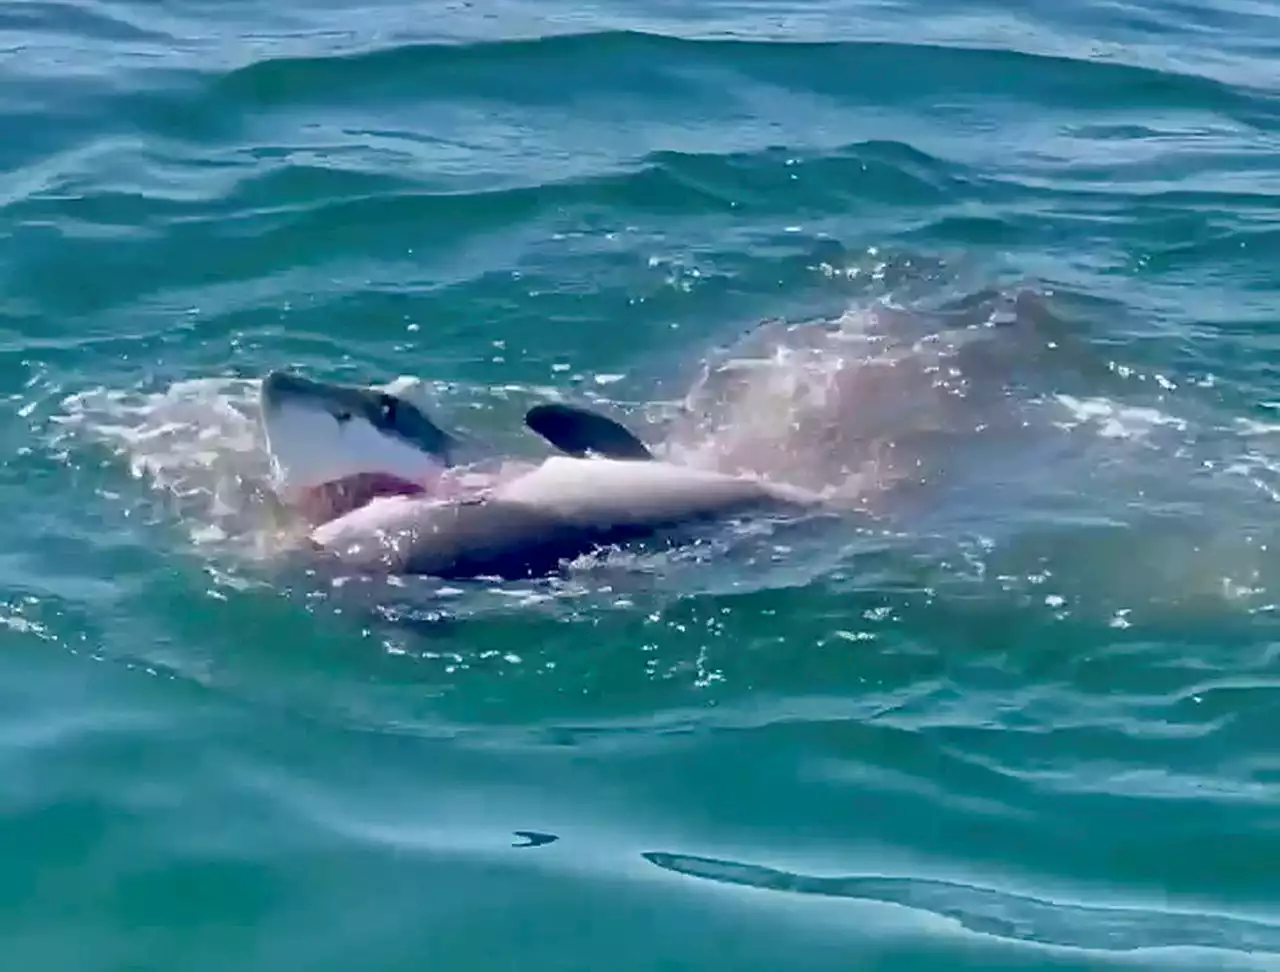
{"x": 380, "y": 487}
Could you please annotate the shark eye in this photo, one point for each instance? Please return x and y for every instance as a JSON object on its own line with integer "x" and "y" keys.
{"x": 342, "y": 417}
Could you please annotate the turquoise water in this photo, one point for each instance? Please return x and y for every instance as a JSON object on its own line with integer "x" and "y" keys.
{"x": 1017, "y": 709}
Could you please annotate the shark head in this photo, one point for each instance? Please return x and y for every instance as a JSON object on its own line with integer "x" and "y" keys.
{"x": 335, "y": 447}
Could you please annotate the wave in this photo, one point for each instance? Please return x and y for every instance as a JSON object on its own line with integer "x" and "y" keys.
{"x": 591, "y": 64}
{"x": 987, "y": 911}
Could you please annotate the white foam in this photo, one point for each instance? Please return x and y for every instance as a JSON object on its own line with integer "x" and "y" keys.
{"x": 1114, "y": 421}
{"x": 198, "y": 442}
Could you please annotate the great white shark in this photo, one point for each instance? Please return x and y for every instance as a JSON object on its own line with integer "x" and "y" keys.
{"x": 378, "y": 484}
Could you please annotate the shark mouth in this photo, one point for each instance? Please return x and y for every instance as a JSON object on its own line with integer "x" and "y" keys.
{"x": 335, "y": 448}
{"x": 338, "y": 497}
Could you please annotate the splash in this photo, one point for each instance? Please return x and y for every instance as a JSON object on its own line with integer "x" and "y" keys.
{"x": 200, "y": 444}
{"x": 992, "y": 442}
{"x": 861, "y": 408}
{"x": 197, "y": 443}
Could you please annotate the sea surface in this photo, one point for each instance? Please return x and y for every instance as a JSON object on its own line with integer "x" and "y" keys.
{"x": 1015, "y": 705}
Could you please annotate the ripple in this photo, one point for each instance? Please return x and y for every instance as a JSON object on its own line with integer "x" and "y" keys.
{"x": 987, "y": 911}
{"x": 1033, "y": 714}
{"x": 64, "y": 19}
{"x": 564, "y": 61}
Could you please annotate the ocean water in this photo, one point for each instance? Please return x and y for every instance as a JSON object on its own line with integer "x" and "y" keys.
{"x": 1003, "y": 278}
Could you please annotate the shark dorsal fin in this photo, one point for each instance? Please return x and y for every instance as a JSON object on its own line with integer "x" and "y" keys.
{"x": 580, "y": 432}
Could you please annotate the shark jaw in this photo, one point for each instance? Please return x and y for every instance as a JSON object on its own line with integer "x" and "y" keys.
{"x": 335, "y": 448}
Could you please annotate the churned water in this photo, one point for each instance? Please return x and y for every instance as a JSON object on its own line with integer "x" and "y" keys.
{"x": 1003, "y": 279}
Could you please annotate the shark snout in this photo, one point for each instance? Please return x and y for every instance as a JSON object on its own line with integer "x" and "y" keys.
{"x": 281, "y": 388}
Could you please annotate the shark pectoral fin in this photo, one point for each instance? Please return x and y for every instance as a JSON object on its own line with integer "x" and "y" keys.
{"x": 579, "y": 432}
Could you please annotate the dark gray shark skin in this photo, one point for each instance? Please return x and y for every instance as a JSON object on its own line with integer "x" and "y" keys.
{"x": 580, "y": 432}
